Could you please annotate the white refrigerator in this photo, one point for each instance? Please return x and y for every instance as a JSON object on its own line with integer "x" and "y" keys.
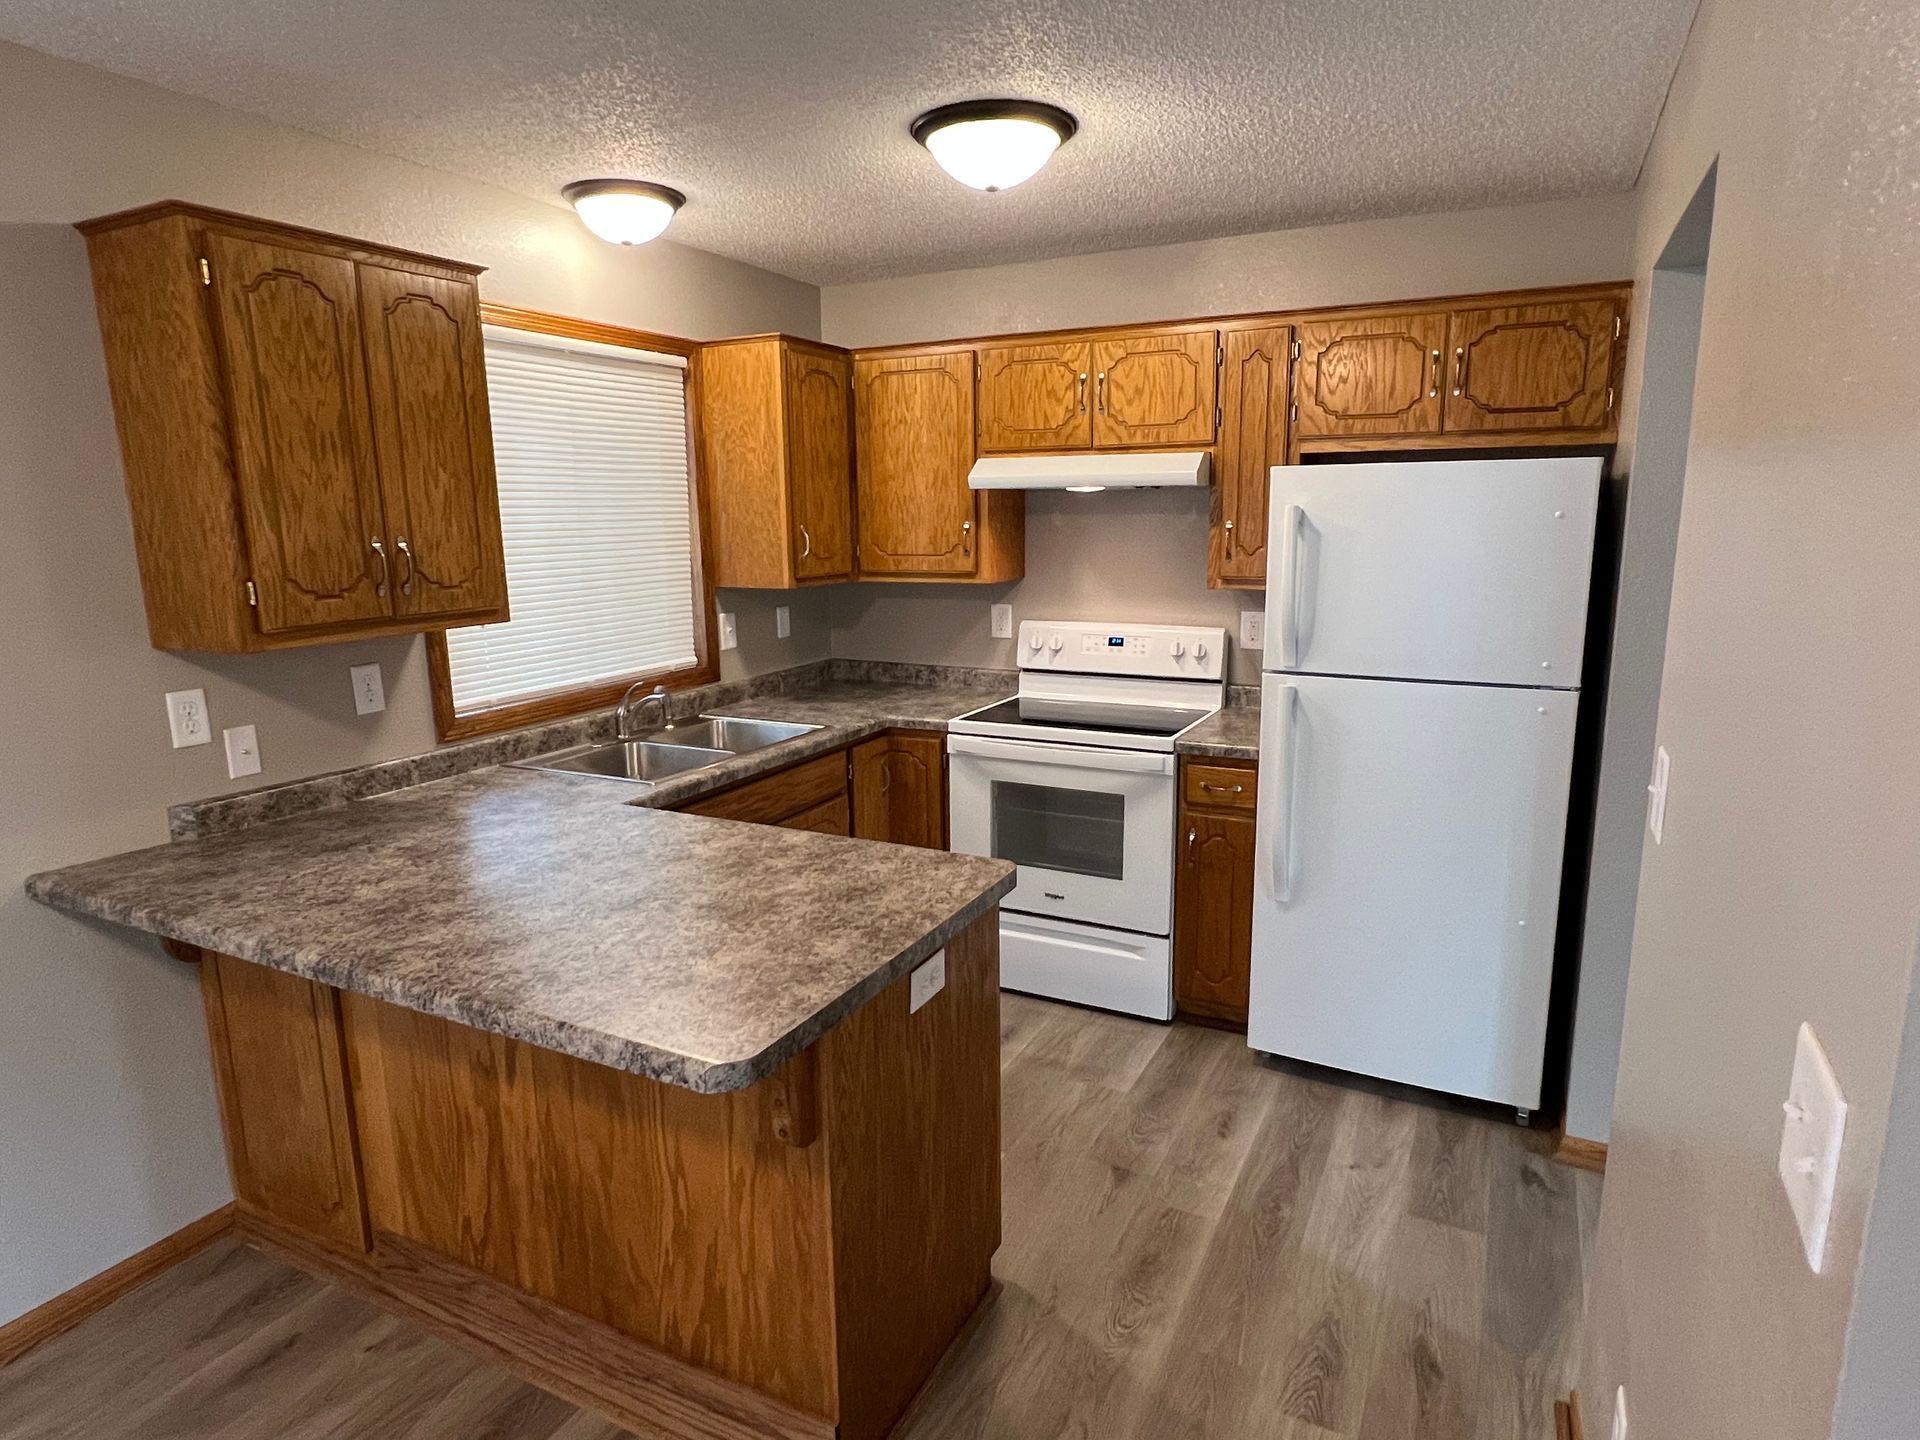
{"x": 1425, "y": 623}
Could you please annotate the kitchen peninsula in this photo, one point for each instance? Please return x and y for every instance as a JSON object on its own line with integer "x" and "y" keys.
{"x": 637, "y": 1102}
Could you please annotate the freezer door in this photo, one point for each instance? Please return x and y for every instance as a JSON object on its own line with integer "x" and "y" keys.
{"x": 1408, "y": 878}
{"x": 1465, "y": 570}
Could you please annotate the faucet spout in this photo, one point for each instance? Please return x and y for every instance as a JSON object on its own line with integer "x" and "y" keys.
{"x": 631, "y": 711}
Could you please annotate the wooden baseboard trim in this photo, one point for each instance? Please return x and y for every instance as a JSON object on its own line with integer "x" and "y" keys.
{"x": 1581, "y": 1154}
{"x": 631, "y": 1384}
{"x": 1566, "y": 1418}
{"x": 66, "y": 1310}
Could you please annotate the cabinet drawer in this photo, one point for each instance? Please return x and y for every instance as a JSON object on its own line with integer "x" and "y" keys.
{"x": 1228, "y": 787}
{"x": 780, "y": 796}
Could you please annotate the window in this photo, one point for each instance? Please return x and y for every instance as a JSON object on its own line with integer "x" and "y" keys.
{"x": 597, "y": 511}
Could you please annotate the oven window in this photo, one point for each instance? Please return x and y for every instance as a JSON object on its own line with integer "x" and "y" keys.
{"x": 1081, "y": 831}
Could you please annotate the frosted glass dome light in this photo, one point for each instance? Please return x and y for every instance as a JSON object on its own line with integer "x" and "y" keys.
{"x": 994, "y": 144}
{"x": 624, "y": 212}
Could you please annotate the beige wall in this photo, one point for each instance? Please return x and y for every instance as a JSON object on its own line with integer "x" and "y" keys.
{"x": 105, "y": 1108}
{"x": 1786, "y": 887}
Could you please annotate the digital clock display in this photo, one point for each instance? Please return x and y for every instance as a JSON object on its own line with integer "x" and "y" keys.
{"x": 1116, "y": 640}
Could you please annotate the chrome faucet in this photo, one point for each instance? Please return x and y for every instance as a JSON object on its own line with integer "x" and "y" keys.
{"x": 630, "y": 709}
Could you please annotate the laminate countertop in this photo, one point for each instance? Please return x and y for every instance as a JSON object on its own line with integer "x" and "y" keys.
{"x": 1231, "y": 734}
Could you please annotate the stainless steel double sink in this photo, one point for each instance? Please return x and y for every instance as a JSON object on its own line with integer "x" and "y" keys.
{"x": 661, "y": 754}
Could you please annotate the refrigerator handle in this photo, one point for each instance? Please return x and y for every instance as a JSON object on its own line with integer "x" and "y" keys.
{"x": 1285, "y": 723}
{"x": 1290, "y": 521}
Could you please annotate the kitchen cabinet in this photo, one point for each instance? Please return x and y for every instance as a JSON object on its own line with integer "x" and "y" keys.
{"x": 899, "y": 789}
{"x": 918, "y": 520}
{"x": 303, "y": 428}
{"x": 786, "y": 795}
{"x": 1365, "y": 375}
{"x": 1527, "y": 367}
{"x": 1255, "y": 383}
{"x": 1035, "y": 397}
{"x": 776, "y": 453}
{"x": 829, "y": 817}
{"x": 1154, "y": 389}
{"x": 1213, "y": 889}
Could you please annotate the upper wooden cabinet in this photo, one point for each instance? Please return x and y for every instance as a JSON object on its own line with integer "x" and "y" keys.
{"x": 776, "y": 442}
{"x": 1155, "y": 389}
{"x": 1370, "y": 374}
{"x": 303, "y": 425}
{"x": 1036, "y": 397}
{"x": 918, "y": 519}
{"x": 1533, "y": 367}
{"x": 1255, "y": 382}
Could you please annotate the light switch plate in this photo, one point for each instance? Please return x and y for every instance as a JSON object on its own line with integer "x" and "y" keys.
{"x": 1816, "y": 1123}
{"x": 1657, "y": 793}
{"x": 369, "y": 691}
{"x": 1002, "y": 621}
{"x": 187, "y": 718}
{"x": 729, "y": 632}
{"x": 928, "y": 981}
{"x": 782, "y": 621}
{"x": 1253, "y": 629}
{"x": 243, "y": 751}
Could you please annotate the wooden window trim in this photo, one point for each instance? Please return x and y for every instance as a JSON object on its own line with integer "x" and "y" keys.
{"x": 584, "y": 699}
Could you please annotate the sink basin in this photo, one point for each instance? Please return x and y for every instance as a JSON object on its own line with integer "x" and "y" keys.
{"x": 646, "y": 761}
{"x": 723, "y": 732}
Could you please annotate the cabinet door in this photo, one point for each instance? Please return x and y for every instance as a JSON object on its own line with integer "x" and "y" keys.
{"x": 1034, "y": 397}
{"x": 1213, "y": 914}
{"x": 820, "y": 463}
{"x": 428, "y": 386}
{"x": 829, "y": 817}
{"x": 915, "y": 423}
{"x": 289, "y": 332}
{"x": 899, "y": 790}
{"x": 1370, "y": 375}
{"x": 1254, "y": 385}
{"x": 1532, "y": 367}
{"x": 1155, "y": 389}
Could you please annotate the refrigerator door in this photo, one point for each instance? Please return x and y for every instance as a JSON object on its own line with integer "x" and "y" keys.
{"x": 1408, "y": 877}
{"x": 1465, "y": 570}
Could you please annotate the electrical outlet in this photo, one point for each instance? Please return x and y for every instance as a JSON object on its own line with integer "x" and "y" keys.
{"x": 187, "y": 718}
{"x": 1810, "y": 1140}
{"x": 782, "y": 621}
{"x": 729, "y": 632}
{"x": 1253, "y": 629}
{"x": 1657, "y": 793}
{"x": 369, "y": 692}
{"x": 1619, "y": 1412}
{"x": 243, "y": 751}
{"x": 1002, "y": 621}
{"x": 928, "y": 981}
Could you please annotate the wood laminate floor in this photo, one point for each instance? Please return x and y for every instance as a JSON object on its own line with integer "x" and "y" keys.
{"x": 1197, "y": 1244}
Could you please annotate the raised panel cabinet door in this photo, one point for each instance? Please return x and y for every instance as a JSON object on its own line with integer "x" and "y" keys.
{"x": 1213, "y": 914}
{"x": 820, "y": 463}
{"x": 427, "y": 380}
{"x": 829, "y": 817}
{"x": 1254, "y": 385}
{"x": 914, "y": 419}
{"x": 1370, "y": 375}
{"x": 1155, "y": 389}
{"x": 899, "y": 790}
{"x": 1036, "y": 397}
{"x": 1532, "y": 367}
{"x": 289, "y": 334}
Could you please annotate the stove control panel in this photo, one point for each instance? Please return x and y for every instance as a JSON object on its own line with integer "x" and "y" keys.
{"x": 1081, "y": 647}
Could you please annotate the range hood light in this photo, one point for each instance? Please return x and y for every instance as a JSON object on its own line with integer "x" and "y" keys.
{"x": 624, "y": 212}
{"x": 994, "y": 144}
{"x": 1085, "y": 489}
{"x": 1089, "y": 474}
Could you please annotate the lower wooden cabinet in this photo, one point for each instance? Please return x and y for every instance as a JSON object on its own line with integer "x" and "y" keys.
{"x": 899, "y": 789}
{"x": 829, "y": 817}
{"x": 1213, "y": 889}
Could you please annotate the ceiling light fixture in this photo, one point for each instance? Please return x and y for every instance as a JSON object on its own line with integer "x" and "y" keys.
{"x": 994, "y": 144}
{"x": 624, "y": 212}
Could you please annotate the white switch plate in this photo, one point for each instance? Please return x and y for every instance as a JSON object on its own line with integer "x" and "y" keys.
{"x": 1002, "y": 621}
{"x": 928, "y": 981}
{"x": 782, "y": 621}
{"x": 729, "y": 632}
{"x": 187, "y": 718}
{"x": 369, "y": 691}
{"x": 1253, "y": 629}
{"x": 1816, "y": 1122}
{"x": 1619, "y": 1412}
{"x": 1657, "y": 793}
{"x": 243, "y": 751}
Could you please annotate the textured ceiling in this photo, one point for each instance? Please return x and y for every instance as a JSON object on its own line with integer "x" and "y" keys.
{"x": 786, "y": 124}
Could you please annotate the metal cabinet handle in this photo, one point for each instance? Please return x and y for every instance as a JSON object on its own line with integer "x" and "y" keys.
{"x": 966, "y": 536}
{"x": 1433, "y": 383}
{"x": 406, "y": 580}
{"x": 1100, "y": 393}
{"x": 381, "y": 551}
{"x": 886, "y": 773}
{"x": 1083, "y": 392}
{"x": 1191, "y": 833}
{"x": 1213, "y": 789}
{"x": 1229, "y": 530}
{"x": 1460, "y": 370}
{"x": 806, "y": 543}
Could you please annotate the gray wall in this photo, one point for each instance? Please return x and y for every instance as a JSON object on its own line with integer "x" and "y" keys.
{"x": 1786, "y": 887}
{"x": 106, "y": 1113}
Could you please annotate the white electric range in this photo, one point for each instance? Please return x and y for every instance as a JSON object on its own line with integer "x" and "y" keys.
{"x": 1073, "y": 780}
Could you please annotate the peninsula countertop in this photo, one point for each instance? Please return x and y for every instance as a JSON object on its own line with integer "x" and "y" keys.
{"x": 704, "y": 953}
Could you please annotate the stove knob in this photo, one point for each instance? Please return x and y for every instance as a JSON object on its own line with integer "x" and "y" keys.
{"x": 1176, "y": 649}
{"x": 1054, "y": 643}
{"x": 1199, "y": 649}
{"x": 1033, "y": 642}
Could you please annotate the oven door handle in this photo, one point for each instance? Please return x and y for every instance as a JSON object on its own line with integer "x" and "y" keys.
{"x": 1066, "y": 757}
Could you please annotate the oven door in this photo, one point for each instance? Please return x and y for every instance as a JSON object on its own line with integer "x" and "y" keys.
{"x": 1090, "y": 829}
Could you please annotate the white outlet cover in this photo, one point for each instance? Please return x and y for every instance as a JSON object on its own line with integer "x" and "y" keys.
{"x": 1810, "y": 1139}
{"x": 369, "y": 691}
{"x": 729, "y": 632}
{"x": 1657, "y": 793}
{"x": 927, "y": 981}
{"x": 1619, "y": 1412}
{"x": 187, "y": 718}
{"x": 243, "y": 751}
{"x": 1002, "y": 621}
{"x": 1253, "y": 629}
{"x": 782, "y": 621}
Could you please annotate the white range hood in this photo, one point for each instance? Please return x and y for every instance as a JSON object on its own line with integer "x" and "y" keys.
{"x": 1112, "y": 470}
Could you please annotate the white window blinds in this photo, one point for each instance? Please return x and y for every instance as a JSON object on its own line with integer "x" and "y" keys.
{"x": 590, "y": 442}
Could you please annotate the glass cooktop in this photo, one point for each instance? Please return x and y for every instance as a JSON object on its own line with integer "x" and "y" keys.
{"x": 1048, "y": 713}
